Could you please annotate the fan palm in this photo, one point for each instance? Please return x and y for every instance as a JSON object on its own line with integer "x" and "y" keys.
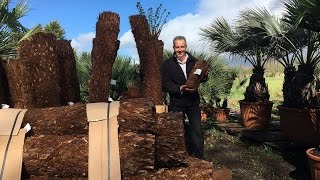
{"x": 11, "y": 30}
{"x": 300, "y": 14}
{"x": 248, "y": 40}
{"x": 123, "y": 71}
{"x": 11, "y": 17}
{"x": 303, "y": 13}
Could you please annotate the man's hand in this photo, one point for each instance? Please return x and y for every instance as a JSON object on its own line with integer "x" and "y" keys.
{"x": 184, "y": 88}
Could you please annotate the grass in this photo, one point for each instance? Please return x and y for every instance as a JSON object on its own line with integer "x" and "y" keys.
{"x": 251, "y": 160}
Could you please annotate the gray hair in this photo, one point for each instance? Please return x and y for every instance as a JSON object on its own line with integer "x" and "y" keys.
{"x": 179, "y": 38}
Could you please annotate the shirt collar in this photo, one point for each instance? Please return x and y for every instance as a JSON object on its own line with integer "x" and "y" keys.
{"x": 184, "y": 61}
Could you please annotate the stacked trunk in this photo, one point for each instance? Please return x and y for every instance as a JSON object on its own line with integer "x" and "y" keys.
{"x": 59, "y": 139}
{"x": 38, "y": 64}
{"x": 70, "y": 89}
{"x": 44, "y": 75}
{"x": 19, "y": 81}
{"x": 149, "y": 64}
{"x": 170, "y": 146}
{"x": 103, "y": 55}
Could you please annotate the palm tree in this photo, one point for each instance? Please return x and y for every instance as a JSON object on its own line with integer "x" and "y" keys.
{"x": 304, "y": 16}
{"x": 126, "y": 73}
{"x": 11, "y": 30}
{"x": 156, "y": 19}
{"x": 303, "y": 13}
{"x": 10, "y": 17}
{"x": 84, "y": 66}
{"x": 123, "y": 71}
{"x": 247, "y": 40}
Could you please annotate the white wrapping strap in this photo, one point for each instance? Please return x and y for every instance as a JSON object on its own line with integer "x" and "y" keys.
{"x": 104, "y": 158}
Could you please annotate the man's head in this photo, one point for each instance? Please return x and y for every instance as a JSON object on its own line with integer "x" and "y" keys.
{"x": 179, "y": 47}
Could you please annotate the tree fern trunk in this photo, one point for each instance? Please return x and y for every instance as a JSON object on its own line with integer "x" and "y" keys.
{"x": 104, "y": 52}
{"x": 289, "y": 73}
{"x": 303, "y": 88}
{"x": 257, "y": 89}
{"x": 149, "y": 63}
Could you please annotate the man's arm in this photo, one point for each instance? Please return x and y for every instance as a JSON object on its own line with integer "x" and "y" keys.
{"x": 167, "y": 84}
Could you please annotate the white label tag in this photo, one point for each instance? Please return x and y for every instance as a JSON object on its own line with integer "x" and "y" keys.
{"x": 113, "y": 82}
{"x": 27, "y": 127}
{"x": 4, "y": 106}
{"x": 197, "y": 71}
{"x": 70, "y": 103}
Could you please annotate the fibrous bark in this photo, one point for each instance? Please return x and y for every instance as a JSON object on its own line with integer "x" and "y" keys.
{"x": 170, "y": 144}
{"x": 67, "y": 156}
{"x": 194, "y": 78}
{"x": 56, "y": 156}
{"x": 136, "y": 153}
{"x": 149, "y": 65}
{"x": 137, "y": 115}
{"x": 40, "y": 56}
{"x": 64, "y": 120}
{"x": 197, "y": 169}
{"x": 104, "y": 52}
{"x": 20, "y": 84}
{"x": 69, "y": 82}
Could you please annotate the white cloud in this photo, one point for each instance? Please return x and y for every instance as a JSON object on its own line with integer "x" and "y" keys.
{"x": 188, "y": 25}
{"x": 83, "y": 42}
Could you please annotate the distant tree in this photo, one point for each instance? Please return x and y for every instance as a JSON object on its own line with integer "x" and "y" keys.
{"x": 156, "y": 19}
{"x": 55, "y": 28}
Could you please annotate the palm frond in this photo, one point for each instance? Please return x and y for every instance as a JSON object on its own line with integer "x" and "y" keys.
{"x": 303, "y": 13}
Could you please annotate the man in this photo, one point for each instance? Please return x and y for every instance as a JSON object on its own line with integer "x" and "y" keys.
{"x": 175, "y": 71}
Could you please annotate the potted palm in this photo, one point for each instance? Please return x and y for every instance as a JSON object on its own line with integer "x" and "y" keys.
{"x": 313, "y": 155}
{"x": 299, "y": 114}
{"x": 247, "y": 41}
{"x": 219, "y": 84}
{"x": 221, "y": 112}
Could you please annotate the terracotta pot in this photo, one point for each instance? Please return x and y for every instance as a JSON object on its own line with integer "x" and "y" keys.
{"x": 301, "y": 125}
{"x": 255, "y": 115}
{"x": 314, "y": 163}
{"x": 204, "y": 116}
{"x": 221, "y": 115}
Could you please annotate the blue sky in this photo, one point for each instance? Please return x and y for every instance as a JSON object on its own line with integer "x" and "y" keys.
{"x": 78, "y": 18}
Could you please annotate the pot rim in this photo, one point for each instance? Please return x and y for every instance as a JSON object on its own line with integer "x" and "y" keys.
{"x": 311, "y": 156}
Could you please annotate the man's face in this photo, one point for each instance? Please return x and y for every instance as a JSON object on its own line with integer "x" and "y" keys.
{"x": 179, "y": 48}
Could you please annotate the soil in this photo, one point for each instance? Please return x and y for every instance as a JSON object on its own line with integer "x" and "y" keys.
{"x": 315, "y": 152}
{"x": 249, "y": 160}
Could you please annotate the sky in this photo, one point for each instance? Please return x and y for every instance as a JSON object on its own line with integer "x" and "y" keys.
{"x": 79, "y": 17}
